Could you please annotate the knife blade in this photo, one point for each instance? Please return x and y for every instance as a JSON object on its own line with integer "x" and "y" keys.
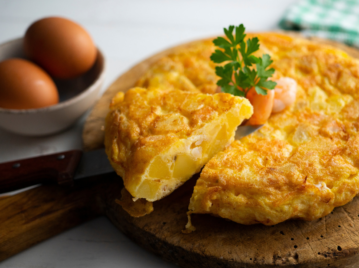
{"x": 92, "y": 163}
{"x": 66, "y": 168}
{"x": 243, "y": 131}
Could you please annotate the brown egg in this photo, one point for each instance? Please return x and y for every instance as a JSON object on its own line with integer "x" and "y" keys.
{"x": 24, "y": 85}
{"x": 62, "y": 47}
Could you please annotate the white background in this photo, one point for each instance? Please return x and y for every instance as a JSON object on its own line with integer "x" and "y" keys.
{"x": 127, "y": 32}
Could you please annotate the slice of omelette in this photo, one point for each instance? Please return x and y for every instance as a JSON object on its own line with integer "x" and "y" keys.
{"x": 305, "y": 160}
{"x": 156, "y": 139}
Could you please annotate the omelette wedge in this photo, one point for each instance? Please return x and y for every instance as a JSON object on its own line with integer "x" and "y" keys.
{"x": 157, "y": 139}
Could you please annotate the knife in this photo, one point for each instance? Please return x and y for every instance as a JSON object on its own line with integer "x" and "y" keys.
{"x": 70, "y": 168}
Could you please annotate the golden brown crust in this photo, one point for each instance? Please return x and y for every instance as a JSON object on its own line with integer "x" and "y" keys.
{"x": 156, "y": 139}
{"x": 188, "y": 69}
{"x": 305, "y": 160}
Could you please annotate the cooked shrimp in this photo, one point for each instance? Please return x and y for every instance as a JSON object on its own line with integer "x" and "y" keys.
{"x": 285, "y": 93}
{"x": 262, "y": 106}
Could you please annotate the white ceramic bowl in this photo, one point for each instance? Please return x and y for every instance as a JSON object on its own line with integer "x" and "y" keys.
{"x": 76, "y": 97}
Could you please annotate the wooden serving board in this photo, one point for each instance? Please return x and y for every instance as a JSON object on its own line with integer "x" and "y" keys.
{"x": 35, "y": 215}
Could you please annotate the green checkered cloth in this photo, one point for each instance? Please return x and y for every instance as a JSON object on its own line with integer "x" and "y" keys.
{"x": 331, "y": 19}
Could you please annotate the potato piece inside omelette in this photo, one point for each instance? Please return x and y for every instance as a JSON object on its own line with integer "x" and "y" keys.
{"x": 305, "y": 161}
{"x": 156, "y": 139}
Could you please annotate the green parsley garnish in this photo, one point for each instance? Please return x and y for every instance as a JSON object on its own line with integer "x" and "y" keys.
{"x": 244, "y": 77}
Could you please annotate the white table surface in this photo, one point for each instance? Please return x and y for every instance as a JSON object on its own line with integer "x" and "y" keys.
{"x": 127, "y": 32}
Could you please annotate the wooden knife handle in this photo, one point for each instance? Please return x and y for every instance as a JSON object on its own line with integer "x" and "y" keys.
{"x": 55, "y": 168}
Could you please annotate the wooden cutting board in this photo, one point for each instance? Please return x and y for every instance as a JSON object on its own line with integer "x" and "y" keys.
{"x": 40, "y": 213}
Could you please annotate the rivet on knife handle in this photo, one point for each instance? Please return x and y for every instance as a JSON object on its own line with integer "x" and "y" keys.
{"x": 52, "y": 168}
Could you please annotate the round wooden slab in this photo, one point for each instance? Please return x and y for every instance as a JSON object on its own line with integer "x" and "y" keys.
{"x": 331, "y": 241}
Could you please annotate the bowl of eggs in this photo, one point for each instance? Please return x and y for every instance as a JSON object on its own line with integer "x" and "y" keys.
{"x": 49, "y": 78}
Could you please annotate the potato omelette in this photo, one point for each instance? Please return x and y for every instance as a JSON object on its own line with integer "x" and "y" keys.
{"x": 305, "y": 160}
{"x": 156, "y": 139}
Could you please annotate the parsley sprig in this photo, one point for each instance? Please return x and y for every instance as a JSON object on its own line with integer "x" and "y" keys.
{"x": 238, "y": 53}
